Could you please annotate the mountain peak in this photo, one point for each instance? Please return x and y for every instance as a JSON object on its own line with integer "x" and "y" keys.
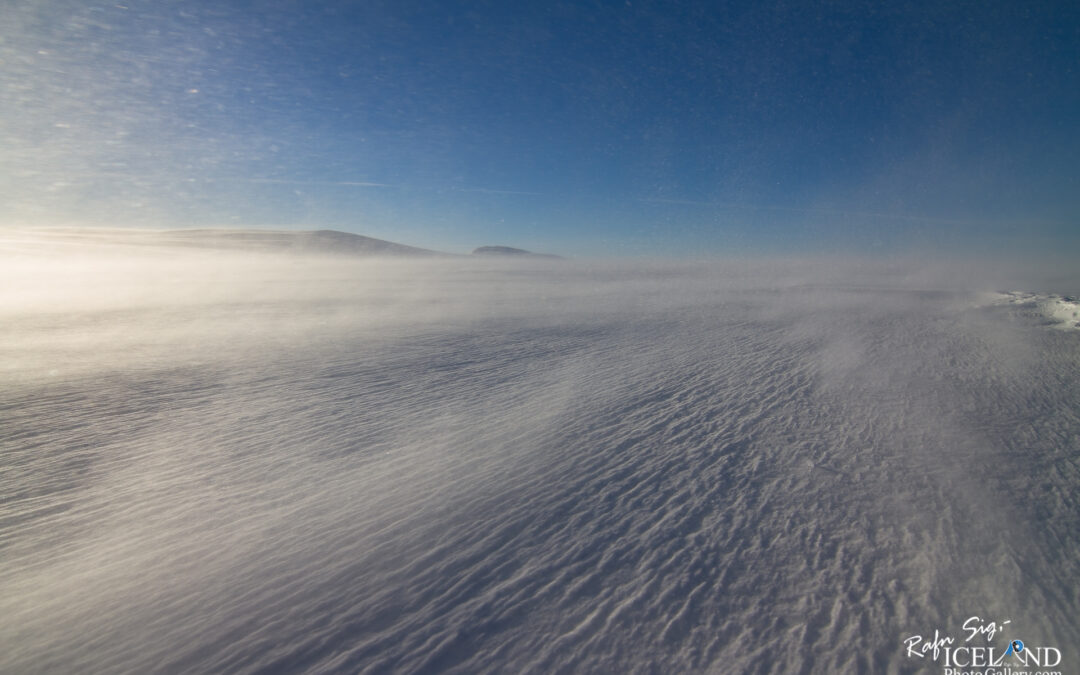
{"x": 510, "y": 251}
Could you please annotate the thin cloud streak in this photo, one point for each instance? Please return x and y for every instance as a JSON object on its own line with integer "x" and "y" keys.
{"x": 350, "y": 183}
{"x": 346, "y": 183}
{"x": 827, "y": 212}
{"x": 490, "y": 191}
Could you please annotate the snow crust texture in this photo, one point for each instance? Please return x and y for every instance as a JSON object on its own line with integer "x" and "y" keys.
{"x": 252, "y": 464}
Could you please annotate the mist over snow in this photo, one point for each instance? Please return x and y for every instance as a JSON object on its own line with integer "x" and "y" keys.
{"x": 221, "y": 461}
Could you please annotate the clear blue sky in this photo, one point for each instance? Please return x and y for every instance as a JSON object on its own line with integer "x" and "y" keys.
{"x": 599, "y": 127}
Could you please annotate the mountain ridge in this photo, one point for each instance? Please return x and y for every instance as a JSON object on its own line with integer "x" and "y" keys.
{"x": 509, "y": 251}
{"x": 323, "y": 241}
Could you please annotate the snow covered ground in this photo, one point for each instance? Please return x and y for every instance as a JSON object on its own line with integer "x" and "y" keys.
{"x": 212, "y": 462}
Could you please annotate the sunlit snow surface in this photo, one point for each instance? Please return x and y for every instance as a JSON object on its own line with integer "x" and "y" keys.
{"x": 214, "y": 462}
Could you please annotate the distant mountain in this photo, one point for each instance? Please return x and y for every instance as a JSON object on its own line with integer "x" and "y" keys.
{"x": 323, "y": 242}
{"x": 508, "y": 251}
{"x": 309, "y": 241}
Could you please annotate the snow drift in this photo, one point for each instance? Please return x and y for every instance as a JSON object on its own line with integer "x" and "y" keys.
{"x": 218, "y": 462}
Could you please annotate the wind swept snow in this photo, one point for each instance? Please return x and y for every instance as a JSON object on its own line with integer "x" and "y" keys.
{"x": 213, "y": 462}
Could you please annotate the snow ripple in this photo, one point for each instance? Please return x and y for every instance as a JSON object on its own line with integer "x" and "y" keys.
{"x": 464, "y": 467}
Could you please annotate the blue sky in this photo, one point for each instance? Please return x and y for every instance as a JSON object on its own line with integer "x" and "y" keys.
{"x": 600, "y": 127}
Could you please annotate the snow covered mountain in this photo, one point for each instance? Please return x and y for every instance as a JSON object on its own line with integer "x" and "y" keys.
{"x": 511, "y": 252}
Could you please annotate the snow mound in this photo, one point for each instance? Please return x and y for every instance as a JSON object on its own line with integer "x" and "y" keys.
{"x": 1062, "y": 311}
